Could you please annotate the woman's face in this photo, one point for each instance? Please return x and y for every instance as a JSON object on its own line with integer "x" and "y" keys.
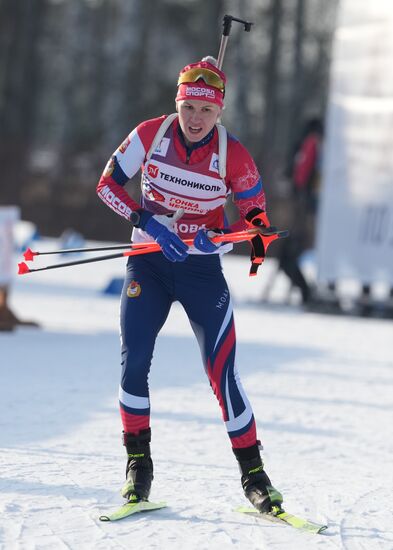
{"x": 197, "y": 118}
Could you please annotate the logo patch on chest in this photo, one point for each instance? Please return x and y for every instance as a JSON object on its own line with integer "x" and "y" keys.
{"x": 214, "y": 164}
{"x": 162, "y": 147}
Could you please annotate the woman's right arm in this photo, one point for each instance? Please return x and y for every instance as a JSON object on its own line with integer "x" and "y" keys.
{"x": 123, "y": 165}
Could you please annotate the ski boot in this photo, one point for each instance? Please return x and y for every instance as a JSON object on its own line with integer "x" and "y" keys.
{"x": 255, "y": 482}
{"x": 139, "y": 471}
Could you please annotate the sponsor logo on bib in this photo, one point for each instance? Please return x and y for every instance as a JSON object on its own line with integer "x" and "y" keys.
{"x": 151, "y": 193}
{"x": 152, "y": 170}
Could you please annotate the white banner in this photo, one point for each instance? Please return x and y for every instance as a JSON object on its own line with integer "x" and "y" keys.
{"x": 8, "y": 216}
{"x": 355, "y": 223}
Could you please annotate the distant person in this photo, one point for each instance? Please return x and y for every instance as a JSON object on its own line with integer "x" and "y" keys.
{"x": 306, "y": 164}
{"x": 288, "y": 263}
{"x": 304, "y": 174}
{"x": 306, "y": 187}
{"x": 183, "y": 195}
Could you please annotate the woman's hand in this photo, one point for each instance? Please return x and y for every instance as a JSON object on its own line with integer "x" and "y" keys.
{"x": 162, "y": 229}
{"x": 203, "y": 242}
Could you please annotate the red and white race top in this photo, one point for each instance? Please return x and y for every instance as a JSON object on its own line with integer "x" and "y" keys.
{"x": 176, "y": 177}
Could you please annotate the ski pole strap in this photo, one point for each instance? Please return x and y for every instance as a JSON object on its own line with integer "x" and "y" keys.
{"x": 257, "y": 218}
{"x": 257, "y": 254}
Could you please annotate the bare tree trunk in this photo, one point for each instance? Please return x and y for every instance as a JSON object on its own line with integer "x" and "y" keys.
{"x": 242, "y": 61}
{"x": 212, "y": 16}
{"x": 271, "y": 86}
{"x": 295, "y": 117}
{"x": 18, "y": 89}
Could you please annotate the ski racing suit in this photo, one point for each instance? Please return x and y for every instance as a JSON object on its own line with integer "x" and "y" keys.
{"x": 177, "y": 176}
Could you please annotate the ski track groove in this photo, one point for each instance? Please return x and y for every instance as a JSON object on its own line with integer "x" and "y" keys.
{"x": 320, "y": 387}
{"x": 351, "y": 541}
{"x": 61, "y": 543}
{"x": 102, "y": 541}
{"x": 96, "y": 523}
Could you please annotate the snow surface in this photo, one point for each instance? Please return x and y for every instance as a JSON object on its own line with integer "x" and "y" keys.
{"x": 321, "y": 389}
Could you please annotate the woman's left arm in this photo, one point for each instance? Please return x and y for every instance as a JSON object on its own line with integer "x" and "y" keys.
{"x": 245, "y": 183}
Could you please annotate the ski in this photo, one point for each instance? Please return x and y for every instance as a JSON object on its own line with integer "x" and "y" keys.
{"x": 132, "y": 508}
{"x": 280, "y": 516}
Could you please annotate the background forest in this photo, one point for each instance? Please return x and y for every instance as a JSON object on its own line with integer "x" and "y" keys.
{"x": 77, "y": 75}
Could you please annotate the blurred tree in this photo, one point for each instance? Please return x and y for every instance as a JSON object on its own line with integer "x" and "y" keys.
{"x": 77, "y": 75}
{"x": 271, "y": 79}
{"x": 20, "y": 25}
{"x": 297, "y": 72}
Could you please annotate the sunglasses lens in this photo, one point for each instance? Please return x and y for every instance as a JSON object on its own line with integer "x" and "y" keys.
{"x": 209, "y": 77}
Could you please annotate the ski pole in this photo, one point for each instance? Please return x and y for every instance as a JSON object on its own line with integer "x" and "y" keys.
{"x": 227, "y": 24}
{"x": 267, "y": 234}
{"x": 23, "y": 268}
{"x": 140, "y": 248}
{"x": 30, "y": 254}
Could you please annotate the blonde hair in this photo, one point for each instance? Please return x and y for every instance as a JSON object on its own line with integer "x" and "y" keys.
{"x": 210, "y": 59}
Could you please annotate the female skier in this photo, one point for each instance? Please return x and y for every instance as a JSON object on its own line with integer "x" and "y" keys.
{"x": 189, "y": 167}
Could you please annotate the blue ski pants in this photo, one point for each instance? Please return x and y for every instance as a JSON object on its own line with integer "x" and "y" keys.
{"x": 151, "y": 285}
